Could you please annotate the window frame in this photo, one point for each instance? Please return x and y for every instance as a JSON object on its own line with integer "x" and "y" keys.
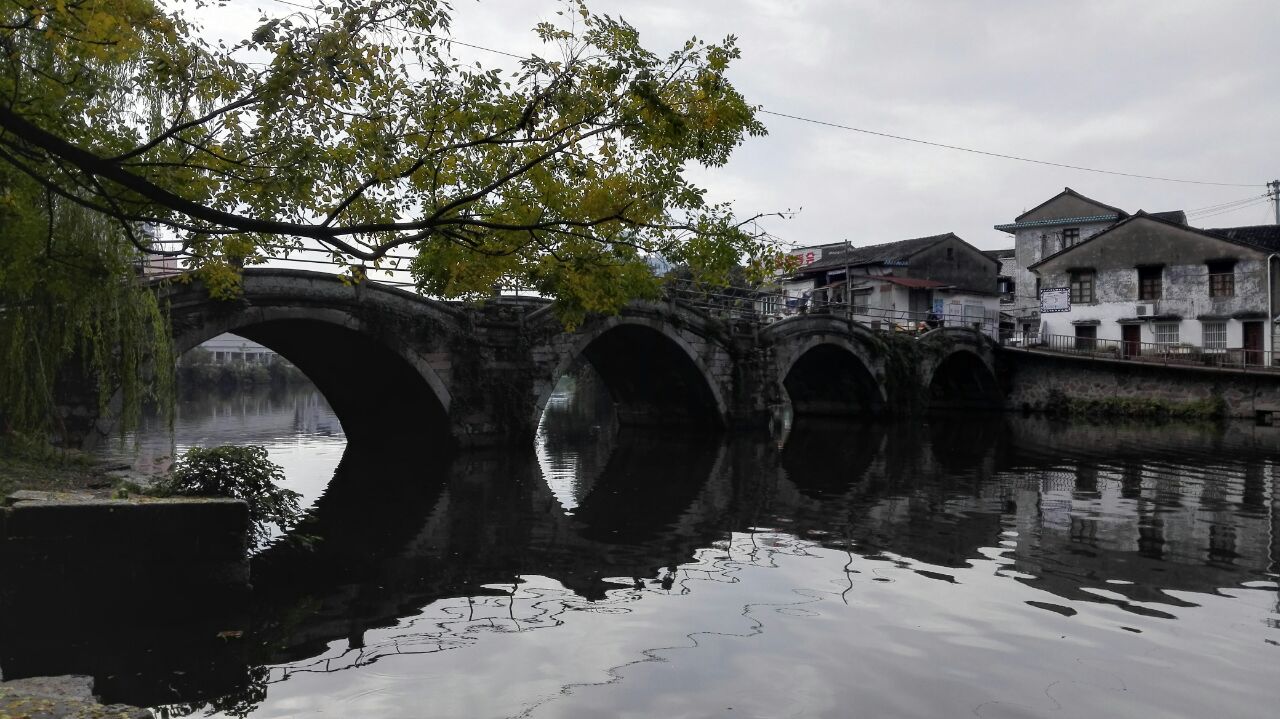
{"x": 1070, "y": 237}
{"x": 1080, "y": 280}
{"x": 1219, "y": 328}
{"x": 1150, "y": 288}
{"x": 1161, "y": 328}
{"x": 1222, "y": 284}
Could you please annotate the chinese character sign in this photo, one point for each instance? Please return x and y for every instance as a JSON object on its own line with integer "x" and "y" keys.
{"x": 807, "y": 256}
{"x": 1055, "y": 299}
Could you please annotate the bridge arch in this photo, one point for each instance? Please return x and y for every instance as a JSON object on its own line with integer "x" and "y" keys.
{"x": 347, "y": 340}
{"x": 959, "y": 371}
{"x": 653, "y": 371}
{"x": 827, "y": 367}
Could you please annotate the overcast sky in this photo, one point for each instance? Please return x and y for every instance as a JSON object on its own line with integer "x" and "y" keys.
{"x": 1175, "y": 88}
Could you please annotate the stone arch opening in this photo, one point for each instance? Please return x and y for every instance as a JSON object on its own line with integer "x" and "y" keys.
{"x": 652, "y": 378}
{"x": 375, "y": 391}
{"x": 830, "y": 381}
{"x": 963, "y": 381}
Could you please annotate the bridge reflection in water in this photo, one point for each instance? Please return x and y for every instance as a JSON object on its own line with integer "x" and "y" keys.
{"x": 1146, "y": 547}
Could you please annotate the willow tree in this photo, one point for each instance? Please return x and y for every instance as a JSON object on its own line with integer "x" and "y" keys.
{"x": 72, "y": 312}
{"x": 74, "y": 317}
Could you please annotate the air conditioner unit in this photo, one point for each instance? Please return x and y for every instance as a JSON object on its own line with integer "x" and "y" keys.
{"x": 1146, "y": 310}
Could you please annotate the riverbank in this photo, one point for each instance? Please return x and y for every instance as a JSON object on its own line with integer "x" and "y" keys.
{"x": 24, "y": 464}
{"x": 58, "y": 697}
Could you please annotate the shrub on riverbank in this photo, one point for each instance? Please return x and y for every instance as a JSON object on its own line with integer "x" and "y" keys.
{"x": 239, "y": 473}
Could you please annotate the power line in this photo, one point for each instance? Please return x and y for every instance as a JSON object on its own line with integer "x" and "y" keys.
{"x": 1004, "y": 156}
{"x": 875, "y": 133}
{"x": 1230, "y": 203}
{"x": 1228, "y": 210}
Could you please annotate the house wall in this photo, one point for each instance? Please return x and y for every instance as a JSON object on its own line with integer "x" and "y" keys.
{"x": 966, "y": 268}
{"x": 1185, "y": 282}
{"x": 1064, "y": 205}
{"x": 1029, "y": 245}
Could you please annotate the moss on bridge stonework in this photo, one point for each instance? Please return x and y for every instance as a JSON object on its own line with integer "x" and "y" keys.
{"x": 1145, "y": 407}
{"x": 901, "y": 374}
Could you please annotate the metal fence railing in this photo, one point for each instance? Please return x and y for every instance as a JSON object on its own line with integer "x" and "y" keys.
{"x": 1235, "y": 358}
{"x": 771, "y": 306}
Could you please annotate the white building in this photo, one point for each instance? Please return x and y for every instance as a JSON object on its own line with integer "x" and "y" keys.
{"x": 1148, "y": 280}
{"x": 1062, "y": 221}
{"x": 227, "y": 348}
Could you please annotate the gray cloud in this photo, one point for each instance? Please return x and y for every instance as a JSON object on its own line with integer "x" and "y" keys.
{"x": 1178, "y": 88}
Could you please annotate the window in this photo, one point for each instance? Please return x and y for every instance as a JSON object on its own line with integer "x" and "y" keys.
{"x": 1086, "y": 337}
{"x": 1150, "y": 282}
{"x": 1046, "y": 245}
{"x": 861, "y": 301}
{"x": 951, "y": 253}
{"x": 1166, "y": 333}
{"x": 1070, "y": 237}
{"x": 1222, "y": 279}
{"x": 1215, "y": 335}
{"x": 1082, "y": 287}
{"x": 974, "y": 315}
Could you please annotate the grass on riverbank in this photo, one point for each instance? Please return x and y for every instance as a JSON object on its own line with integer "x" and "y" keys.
{"x": 28, "y": 464}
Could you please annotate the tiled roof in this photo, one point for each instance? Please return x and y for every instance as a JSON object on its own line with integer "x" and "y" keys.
{"x": 1175, "y": 216}
{"x": 888, "y": 253}
{"x": 1061, "y": 221}
{"x": 1264, "y": 236}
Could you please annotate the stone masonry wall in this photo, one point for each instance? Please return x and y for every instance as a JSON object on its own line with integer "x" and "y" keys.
{"x": 1031, "y": 380}
{"x": 95, "y": 548}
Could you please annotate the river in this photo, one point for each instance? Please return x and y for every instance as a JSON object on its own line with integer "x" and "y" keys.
{"x": 994, "y": 566}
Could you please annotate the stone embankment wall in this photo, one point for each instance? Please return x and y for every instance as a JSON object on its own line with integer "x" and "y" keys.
{"x": 1040, "y": 382}
{"x": 75, "y": 549}
{"x": 114, "y": 589}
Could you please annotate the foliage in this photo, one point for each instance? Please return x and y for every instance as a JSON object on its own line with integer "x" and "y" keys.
{"x": 240, "y": 473}
{"x": 72, "y": 311}
{"x": 1060, "y": 403}
{"x": 196, "y": 369}
{"x": 364, "y": 133}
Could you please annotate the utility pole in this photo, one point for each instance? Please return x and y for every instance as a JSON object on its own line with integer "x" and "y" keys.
{"x": 1273, "y": 191}
{"x": 849, "y": 284}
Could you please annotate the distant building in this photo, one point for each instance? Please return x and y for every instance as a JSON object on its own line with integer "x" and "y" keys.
{"x": 1006, "y": 282}
{"x": 227, "y": 348}
{"x": 938, "y": 280}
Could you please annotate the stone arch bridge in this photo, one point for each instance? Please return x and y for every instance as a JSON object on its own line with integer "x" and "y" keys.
{"x": 481, "y": 374}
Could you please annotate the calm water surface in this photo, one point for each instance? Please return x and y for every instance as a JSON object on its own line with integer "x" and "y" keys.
{"x": 969, "y": 566}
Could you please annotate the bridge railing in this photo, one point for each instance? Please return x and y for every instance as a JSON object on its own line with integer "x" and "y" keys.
{"x": 1176, "y": 354}
{"x": 758, "y": 305}
{"x": 774, "y": 305}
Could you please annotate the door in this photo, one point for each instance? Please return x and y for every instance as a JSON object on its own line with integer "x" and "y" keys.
{"x": 1253, "y": 343}
{"x": 1132, "y": 336}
